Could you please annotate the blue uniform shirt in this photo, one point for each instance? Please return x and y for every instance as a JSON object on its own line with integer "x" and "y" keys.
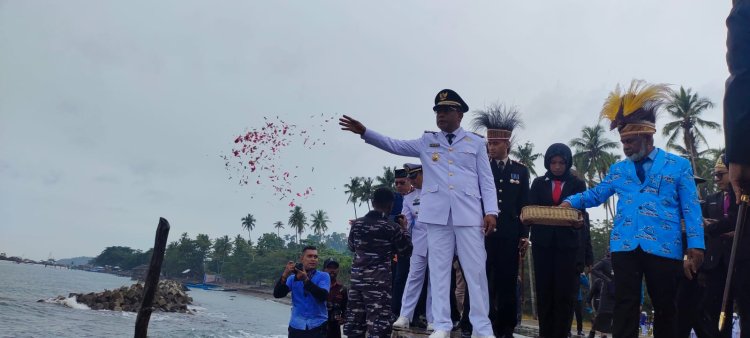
{"x": 648, "y": 161}
{"x": 308, "y": 313}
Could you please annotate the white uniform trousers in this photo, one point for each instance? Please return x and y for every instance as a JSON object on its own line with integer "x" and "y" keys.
{"x": 413, "y": 288}
{"x": 468, "y": 242}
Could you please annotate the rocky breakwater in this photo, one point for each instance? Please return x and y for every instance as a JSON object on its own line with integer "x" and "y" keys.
{"x": 169, "y": 297}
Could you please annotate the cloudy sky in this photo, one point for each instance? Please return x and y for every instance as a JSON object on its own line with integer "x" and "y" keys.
{"x": 113, "y": 114}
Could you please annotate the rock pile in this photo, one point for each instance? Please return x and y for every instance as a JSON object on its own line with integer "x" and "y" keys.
{"x": 169, "y": 297}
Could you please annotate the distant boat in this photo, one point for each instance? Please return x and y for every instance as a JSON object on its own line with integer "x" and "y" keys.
{"x": 204, "y": 286}
{"x": 207, "y": 283}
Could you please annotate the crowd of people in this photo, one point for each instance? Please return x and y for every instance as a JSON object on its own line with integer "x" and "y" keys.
{"x": 443, "y": 251}
{"x": 456, "y": 231}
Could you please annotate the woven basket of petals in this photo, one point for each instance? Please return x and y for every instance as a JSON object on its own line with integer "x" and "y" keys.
{"x": 536, "y": 214}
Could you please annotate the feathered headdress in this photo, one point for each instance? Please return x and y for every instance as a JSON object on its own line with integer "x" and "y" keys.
{"x": 498, "y": 120}
{"x": 634, "y": 111}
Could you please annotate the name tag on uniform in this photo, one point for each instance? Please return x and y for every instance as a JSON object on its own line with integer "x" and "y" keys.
{"x": 434, "y": 145}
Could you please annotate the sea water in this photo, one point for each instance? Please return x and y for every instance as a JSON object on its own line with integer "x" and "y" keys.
{"x": 217, "y": 314}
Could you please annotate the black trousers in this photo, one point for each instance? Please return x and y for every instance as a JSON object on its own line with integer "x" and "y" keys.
{"x": 502, "y": 277}
{"x": 690, "y": 295}
{"x": 661, "y": 282}
{"x": 318, "y": 332}
{"x": 579, "y": 315}
{"x": 556, "y": 285}
{"x": 742, "y": 292}
{"x": 712, "y": 297}
{"x": 707, "y": 324}
{"x": 401, "y": 272}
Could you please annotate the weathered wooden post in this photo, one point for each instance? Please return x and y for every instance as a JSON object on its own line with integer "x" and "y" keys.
{"x": 152, "y": 279}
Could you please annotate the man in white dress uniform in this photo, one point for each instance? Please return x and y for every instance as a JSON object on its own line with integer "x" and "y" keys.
{"x": 418, "y": 260}
{"x": 457, "y": 206}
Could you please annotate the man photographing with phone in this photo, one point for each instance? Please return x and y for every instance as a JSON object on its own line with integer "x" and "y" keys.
{"x": 309, "y": 289}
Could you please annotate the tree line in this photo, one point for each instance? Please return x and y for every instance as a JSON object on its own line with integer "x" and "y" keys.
{"x": 237, "y": 259}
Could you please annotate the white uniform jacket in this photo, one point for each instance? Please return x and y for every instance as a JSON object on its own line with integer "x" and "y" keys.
{"x": 457, "y": 178}
{"x": 417, "y": 229}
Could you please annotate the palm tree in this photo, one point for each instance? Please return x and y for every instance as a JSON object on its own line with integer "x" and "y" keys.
{"x": 388, "y": 180}
{"x": 593, "y": 149}
{"x": 278, "y": 225}
{"x": 319, "y": 222}
{"x": 352, "y": 189}
{"x": 592, "y": 157}
{"x": 525, "y": 155}
{"x": 297, "y": 221}
{"x": 580, "y": 165}
{"x": 365, "y": 191}
{"x": 606, "y": 161}
{"x": 687, "y": 107}
{"x": 222, "y": 248}
{"x": 248, "y": 223}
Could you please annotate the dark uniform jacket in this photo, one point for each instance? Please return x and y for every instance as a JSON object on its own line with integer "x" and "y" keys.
{"x": 550, "y": 236}
{"x": 718, "y": 247}
{"x": 374, "y": 240}
{"x": 512, "y": 186}
{"x": 336, "y": 303}
{"x": 585, "y": 256}
{"x": 736, "y": 98}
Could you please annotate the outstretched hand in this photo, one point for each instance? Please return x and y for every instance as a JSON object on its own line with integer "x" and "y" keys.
{"x": 350, "y": 124}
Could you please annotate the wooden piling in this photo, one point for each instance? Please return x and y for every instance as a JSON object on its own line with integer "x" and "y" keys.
{"x": 152, "y": 279}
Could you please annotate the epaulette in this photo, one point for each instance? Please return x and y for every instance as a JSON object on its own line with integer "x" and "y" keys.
{"x": 430, "y": 132}
{"x": 480, "y": 136}
{"x": 519, "y": 163}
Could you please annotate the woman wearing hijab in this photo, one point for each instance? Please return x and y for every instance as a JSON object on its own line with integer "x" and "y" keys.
{"x": 555, "y": 248}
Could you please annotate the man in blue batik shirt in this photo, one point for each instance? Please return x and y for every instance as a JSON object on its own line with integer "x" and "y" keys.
{"x": 309, "y": 288}
{"x": 655, "y": 190}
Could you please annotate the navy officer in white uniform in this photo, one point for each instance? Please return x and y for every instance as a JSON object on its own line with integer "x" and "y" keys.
{"x": 418, "y": 259}
{"x": 458, "y": 205}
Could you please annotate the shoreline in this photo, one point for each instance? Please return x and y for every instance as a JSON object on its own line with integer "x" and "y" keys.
{"x": 262, "y": 292}
{"x": 265, "y": 294}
